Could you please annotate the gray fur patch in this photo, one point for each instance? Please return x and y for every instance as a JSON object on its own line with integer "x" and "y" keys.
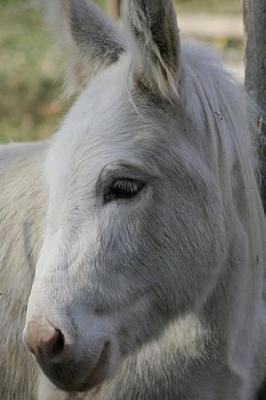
{"x": 93, "y": 33}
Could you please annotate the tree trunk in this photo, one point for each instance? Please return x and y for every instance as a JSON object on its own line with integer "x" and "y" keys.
{"x": 113, "y": 8}
{"x": 255, "y": 27}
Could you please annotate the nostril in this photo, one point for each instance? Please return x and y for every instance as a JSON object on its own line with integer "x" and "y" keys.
{"x": 53, "y": 346}
{"x": 44, "y": 340}
{"x": 57, "y": 346}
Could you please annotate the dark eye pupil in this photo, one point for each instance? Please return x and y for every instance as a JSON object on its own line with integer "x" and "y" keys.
{"x": 123, "y": 189}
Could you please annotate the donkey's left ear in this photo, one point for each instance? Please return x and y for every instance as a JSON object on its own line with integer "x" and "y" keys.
{"x": 90, "y": 42}
{"x": 156, "y": 44}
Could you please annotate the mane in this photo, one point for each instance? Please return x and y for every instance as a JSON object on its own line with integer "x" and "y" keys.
{"x": 217, "y": 97}
{"x": 225, "y": 120}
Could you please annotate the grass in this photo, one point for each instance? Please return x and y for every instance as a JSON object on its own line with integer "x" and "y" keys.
{"x": 30, "y": 80}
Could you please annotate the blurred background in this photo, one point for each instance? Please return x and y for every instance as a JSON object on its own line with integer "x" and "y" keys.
{"x": 31, "y": 106}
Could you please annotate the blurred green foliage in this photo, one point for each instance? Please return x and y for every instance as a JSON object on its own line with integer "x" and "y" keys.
{"x": 30, "y": 80}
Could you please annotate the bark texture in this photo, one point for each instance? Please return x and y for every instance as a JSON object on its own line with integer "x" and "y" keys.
{"x": 255, "y": 28}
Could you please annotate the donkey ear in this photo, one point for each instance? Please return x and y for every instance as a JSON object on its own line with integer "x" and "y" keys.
{"x": 153, "y": 28}
{"x": 90, "y": 42}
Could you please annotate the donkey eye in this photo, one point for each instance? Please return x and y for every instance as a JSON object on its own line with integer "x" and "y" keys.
{"x": 123, "y": 189}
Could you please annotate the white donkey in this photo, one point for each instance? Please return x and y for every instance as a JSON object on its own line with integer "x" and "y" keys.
{"x": 144, "y": 219}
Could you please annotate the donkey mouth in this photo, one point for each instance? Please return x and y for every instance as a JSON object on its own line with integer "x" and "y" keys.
{"x": 71, "y": 376}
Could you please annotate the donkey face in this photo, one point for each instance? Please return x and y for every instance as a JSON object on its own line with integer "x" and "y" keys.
{"x": 134, "y": 231}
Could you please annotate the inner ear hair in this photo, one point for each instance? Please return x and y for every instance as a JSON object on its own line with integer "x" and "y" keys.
{"x": 155, "y": 44}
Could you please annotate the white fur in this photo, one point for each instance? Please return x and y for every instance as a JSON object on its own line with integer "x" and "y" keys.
{"x": 177, "y": 274}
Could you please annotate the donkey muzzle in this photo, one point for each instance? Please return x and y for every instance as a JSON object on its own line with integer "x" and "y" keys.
{"x": 69, "y": 364}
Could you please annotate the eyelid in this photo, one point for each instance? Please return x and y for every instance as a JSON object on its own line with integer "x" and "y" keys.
{"x": 123, "y": 170}
{"x": 125, "y": 183}
{"x": 125, "y": 180}
{"x": 127, "y": 170}
{"x": 122, "y": 189}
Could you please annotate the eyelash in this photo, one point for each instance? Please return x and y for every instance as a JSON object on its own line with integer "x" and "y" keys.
{"x": 123, "y": 189}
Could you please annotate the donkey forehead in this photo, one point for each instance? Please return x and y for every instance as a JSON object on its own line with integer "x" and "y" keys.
{"x": 105, "y": 125}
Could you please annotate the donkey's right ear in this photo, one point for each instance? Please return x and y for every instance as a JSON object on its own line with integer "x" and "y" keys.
{"x": 90, "y": 42}
{"x": 152, "y": 26}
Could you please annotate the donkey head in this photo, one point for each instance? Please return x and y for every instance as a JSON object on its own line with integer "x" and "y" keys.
{"x": 134, "y": 231}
